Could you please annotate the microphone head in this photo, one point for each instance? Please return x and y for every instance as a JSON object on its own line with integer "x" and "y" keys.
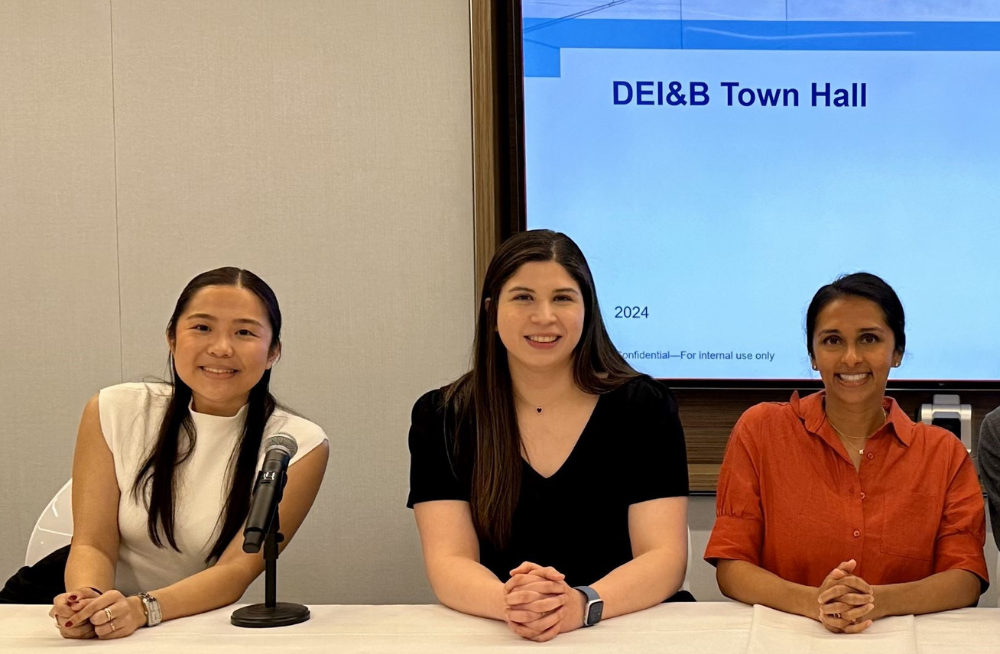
{"x": 282, "y": 442}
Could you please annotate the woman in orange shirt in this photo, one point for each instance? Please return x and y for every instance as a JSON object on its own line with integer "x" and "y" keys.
{"x": 838, "y": 507}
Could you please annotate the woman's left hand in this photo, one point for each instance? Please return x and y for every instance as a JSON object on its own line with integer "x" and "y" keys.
{"x": 570, "y": 613}
{"x": 541, "y": 604}
{"x": 113, "y": 615}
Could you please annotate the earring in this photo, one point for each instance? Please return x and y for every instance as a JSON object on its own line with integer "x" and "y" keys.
{"x": 814, "y": 367}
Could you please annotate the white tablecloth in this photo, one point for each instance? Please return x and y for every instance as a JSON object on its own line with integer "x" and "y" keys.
{"x": 700, "y": 628}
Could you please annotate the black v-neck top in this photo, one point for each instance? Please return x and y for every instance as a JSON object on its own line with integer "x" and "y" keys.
{"x": 630, "y": 451}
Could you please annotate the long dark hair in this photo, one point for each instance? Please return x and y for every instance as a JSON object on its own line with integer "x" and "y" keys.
{"x": 176, "y": 439}
{"x": 483, "y": 398}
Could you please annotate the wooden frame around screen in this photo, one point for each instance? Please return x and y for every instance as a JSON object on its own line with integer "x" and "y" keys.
{"x": 484, "y": 139}
{"x": 498, "y": 190}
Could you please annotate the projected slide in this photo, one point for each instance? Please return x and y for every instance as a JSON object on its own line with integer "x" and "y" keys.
{"x": 717, "y": 172}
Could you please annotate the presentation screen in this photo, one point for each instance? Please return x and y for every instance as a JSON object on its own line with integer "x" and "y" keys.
{"x": 718, "y": 161}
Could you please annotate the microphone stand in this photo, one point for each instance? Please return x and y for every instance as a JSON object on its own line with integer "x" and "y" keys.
{"x": 271, "y": 613}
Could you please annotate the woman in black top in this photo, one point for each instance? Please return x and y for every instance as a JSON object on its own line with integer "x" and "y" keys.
{"x": 552, "y": 464}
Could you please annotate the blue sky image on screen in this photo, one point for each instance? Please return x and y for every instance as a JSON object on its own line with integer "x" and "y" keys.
{"x": 711, "y": 218}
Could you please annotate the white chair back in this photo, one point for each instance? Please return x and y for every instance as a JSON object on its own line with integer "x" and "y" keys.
{"x": 690, "y": 564}
{"x": 54, "y": 528}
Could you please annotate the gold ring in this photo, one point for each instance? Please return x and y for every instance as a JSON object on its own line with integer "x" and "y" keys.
{"x": 112, "y": 623}
{"x": 107, "y": 612}
{"x": 837, "y": 615}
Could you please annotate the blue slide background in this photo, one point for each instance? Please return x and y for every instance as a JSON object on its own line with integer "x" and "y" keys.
{"x": 724, "y": 220}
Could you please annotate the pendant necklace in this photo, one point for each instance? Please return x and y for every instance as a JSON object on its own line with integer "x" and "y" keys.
{"x": 847, "y": 438}
{"x": 538, "y": 409}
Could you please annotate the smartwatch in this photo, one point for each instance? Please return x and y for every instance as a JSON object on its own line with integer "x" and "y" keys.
{"x": 594, "y": 608}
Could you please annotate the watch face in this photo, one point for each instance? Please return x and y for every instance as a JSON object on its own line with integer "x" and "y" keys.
{"x": 595, "y": 611}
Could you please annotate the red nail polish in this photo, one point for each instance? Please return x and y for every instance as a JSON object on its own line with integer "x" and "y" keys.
{"x": 69, "y": 624}
{"x": 72, "y": 598}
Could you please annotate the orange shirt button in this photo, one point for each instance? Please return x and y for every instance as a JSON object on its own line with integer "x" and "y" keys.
{"x": 870, "y": 456}
{"x": 862, "y": 495}
{"x": 857, "y": 534}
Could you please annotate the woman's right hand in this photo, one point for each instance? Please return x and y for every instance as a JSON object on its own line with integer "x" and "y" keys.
{"x": 67, "y": 605}
{"x": 844, "y": 600}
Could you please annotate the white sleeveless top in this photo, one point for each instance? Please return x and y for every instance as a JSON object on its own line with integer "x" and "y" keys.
{"x": 130, "y": 419}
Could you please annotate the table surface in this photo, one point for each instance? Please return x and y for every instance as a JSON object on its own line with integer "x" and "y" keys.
{"x": 698, "y": 628}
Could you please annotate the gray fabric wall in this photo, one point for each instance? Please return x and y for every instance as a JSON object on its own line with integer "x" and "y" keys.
{"x": 324, "y": 145}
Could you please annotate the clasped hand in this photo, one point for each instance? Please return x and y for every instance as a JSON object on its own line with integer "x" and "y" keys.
{"x": 846, "y": 602}
{"x": 539, "y": 604}
{"x": 83, "y": 613}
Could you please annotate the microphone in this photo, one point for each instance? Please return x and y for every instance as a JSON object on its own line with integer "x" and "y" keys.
{"x": 278, "y": 451}
{"x": 262, "y": 525}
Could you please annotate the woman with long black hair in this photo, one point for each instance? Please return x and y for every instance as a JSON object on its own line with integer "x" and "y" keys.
{"x": 549, "y": 483}
{"x": 163, "y": 473}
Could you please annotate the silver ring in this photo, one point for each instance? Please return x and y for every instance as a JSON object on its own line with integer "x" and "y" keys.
{"x": 837, "y": 615}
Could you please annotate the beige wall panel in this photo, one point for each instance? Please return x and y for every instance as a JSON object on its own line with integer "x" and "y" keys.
{"x": 59, "y": 296}
{"x": 325, "y": 146}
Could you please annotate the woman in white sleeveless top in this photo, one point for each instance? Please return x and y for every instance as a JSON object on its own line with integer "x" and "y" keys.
{"x": 163, "y": 473}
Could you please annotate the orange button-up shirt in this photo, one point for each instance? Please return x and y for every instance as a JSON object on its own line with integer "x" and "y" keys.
{"x": 791, "y": 501}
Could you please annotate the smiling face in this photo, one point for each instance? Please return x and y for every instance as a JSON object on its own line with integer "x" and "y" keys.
{"x": 540, "y": 316}
{"x": 853, "y": 349}
{"x": 221, "y": 347}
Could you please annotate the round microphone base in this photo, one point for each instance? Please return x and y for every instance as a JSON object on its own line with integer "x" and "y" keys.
{"x": 258, "y": 616}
